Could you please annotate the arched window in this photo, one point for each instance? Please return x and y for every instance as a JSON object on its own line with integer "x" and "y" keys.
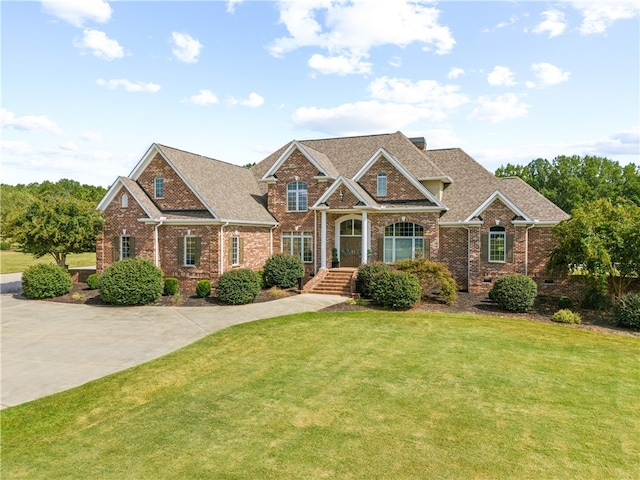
{"x": 382, "y": 185}
{"x": 403, "y": 240}
{"x": 297, "y": 197}
{"x": 497, "y": 244}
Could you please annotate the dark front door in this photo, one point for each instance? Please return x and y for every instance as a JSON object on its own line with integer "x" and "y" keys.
{"x": 350, "y": 251}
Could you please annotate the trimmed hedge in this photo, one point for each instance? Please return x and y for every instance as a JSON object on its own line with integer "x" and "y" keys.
{"x": 237, "y": 287}
{"x": 45, "y": 281}
{"x": 132, "y": 281}
{"x": 394, "y": 289}
{"x": 514, "y": 292}
{"x": 170, "y": 286}
{"x": 433, "y": 276}
{"x": 93, "y": 281}
{"x": 282, "y": 270}
{"x": 366, "y": 272}
{"x": 626, "y": 311}
{"x": 203, "y": 288}
{"x": 566, "y": 316}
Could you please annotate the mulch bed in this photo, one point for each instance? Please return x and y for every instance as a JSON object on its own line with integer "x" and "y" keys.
{"x": 478, "y": 304}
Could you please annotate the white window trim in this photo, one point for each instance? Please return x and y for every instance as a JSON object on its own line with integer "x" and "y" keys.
{"x": 379, "y": 191}
{"x": 298, "y": 191}
{"x": 393, "y": 238}
{"x": 291, "y": 235}
{"x": 155, "y": 187}
{"x": 495, "y": 235}
{"x": 184, "y": 252}
{"x": 235, "y": 250}
{"x": 122, "y": 237}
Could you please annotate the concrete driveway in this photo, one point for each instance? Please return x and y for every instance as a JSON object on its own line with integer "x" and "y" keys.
{"x": 49, "y": 347}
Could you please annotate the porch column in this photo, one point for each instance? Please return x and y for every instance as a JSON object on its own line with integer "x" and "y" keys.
{"x": 365, "y": 237}
{"x": 323, "y": 239}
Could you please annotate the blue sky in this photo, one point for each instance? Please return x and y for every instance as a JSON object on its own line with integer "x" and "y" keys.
{"x": 89, "y": 85}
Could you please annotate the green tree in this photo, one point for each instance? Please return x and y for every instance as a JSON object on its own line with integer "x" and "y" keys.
{"x": 55, "y": 226}
{"x": 601, "y": 240}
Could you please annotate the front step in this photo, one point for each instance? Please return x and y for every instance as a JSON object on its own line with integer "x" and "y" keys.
{"x": 335, "y": 282}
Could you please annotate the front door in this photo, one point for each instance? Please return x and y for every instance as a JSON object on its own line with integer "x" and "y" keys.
{"x": 350, "y": 251}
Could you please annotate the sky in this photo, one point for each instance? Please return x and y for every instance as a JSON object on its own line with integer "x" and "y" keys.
{"x": 89, "y": 85}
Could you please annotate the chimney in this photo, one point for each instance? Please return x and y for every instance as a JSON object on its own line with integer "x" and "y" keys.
{"x": 419, "y": 142}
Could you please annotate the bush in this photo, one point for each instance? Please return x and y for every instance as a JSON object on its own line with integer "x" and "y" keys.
{"x": 132, "y": 281}
{"x": 4, "y": 245}
{"x": 514, "y": 292}
{"x": 282, "y": 270}
{"x": 433, "y": 276}
{"x": 626, "y": 311}
{"x": 261, "y": 282}
{"x": 237, "y": 287}
{"x": 596, "y": 298}
{"x": 203, "y": 288}
{"x": 93, "y": 281}
{"x": 565, "y": 303}
{"x": 395, "y": 289}
{"x": 566, "y": 316}
{"x": 45, "y": 281}
{"x": 365, "y": 273}
{"x": 170, "y": 286}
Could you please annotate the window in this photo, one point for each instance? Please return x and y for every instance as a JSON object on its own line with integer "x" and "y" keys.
{"x": 403, "y": 240}
{"x": 298, "y": 244}
{"x": 158, "y": 187}
{"x": 297, "y": 197}
{"x": 235, "y": 250}
{"x": 497, "y": 244}
{"x": 189, "y": 250}
{"x": 382, "y": 184}
{"x": 352, "y": 228}
{"x": 125, "y": 247}
{"x": 125, "y": 200}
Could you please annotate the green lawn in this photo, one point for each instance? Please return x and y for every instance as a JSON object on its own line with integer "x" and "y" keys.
{"x": 13, "y": 262}
{"x": 366, "y": 395}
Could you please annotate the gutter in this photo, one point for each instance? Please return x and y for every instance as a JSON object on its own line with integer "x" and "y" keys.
{"x": 222, "y": 247}
{"x": 156, "y": 247}
{"x": 526, "y": 248}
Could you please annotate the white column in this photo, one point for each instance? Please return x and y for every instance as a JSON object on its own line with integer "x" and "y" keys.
{"x": 365, "y": 237}
{"x": 323, "y": 239}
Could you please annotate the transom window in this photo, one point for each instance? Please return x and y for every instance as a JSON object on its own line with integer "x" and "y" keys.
{"x": 297, "y": 197}
{"x": 189, "y": 250}
{"x": 382, "y": 184}
{"x": 351, "y": 227}
{"x": 158, "y": 187}
{"x": 298, "y": 244}
{"x": 497, "y": 244}
{"x": 125, "y": 246}
{"x": 403, "y": 240}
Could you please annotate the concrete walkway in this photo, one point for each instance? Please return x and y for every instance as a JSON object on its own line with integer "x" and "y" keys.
{"x": 49, "y": 347}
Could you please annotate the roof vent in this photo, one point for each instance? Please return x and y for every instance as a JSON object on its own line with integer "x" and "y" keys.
{"x": 419, "y": 142}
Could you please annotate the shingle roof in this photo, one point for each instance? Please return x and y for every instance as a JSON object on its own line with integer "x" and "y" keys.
{"x": 230, "y": 191}
{"x": 141, "y": 197}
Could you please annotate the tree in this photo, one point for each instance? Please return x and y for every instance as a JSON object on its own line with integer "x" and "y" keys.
{"x": 601, "y": 240}
{"x": 572, "y": 181}
{"x": 57, "y": 226}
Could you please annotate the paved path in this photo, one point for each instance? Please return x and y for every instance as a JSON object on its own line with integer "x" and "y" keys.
{"x": 49, "y": 347}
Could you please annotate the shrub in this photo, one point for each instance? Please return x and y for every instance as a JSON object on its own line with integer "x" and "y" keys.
{"x": 45, "y": 281}
{"x": 4, "y": 245}
{"x": 93, "y": 281}
{"x": 282, "y": 270}
{"x": 514, "y": 292}
{"x": 596, "y": 298}
{"x": 365, "y": 273}
{"x": 395, "y": 289}
{"x": 237, "y": 287}
{"x": 626, "y": 311}
{"x": 203, "y": 288}
{"x": 170, "y": 286}
{"x": 566, "y": 316}
{"x": 565, "y": 303}
{"x": 132, "y": 281}
{"x": 261, "y": 282}
{"x": 433, "y": 276}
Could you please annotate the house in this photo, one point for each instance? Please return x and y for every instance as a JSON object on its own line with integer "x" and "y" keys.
{"x": 373, "y": 198}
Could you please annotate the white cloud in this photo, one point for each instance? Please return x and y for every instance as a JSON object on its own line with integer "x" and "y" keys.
{"x": 425, "y": 92}
{"x": 455, "y": 72}
{"x": 548, "y": 74}
{"x": 29, "y": 122}
{"x": 70, "y": 146}
{"x": 231, "y": 5}
{"x": 501, "y": 76}
{"x": 254, "y": 101}
{"x": 90, "y": 136}
{"x": 498, "y": 109}
{"x": 100, "y": 45}
{"x": 348, "y": 30}
{"x": 15, "y": 147}
{"x": 204, "y": 97}
{"x": 598, "y": 16}
{"x": 554, "y": 23}
{"x": 128, "y": 85}
{"x": 186, "y": 48}
{"x": 395, "y": 62}
{"x": 76, "y": 12}
{"x": 626, "y": 142}
{"x": 339, "y": 64}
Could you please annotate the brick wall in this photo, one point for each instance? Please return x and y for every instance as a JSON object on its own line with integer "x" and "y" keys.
{"x": 398, "y": 187}
{"x": 428, "y": 220}
{"x": 454, "y": 254}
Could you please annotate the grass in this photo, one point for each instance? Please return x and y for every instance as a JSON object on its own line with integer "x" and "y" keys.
{"x": 359, "y": 395}
{"x": 14, "y": 262}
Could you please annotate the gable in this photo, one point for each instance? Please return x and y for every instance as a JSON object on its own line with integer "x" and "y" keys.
{"x": 318, "y": 161}
{"x": 494, "y": 197}
{"x": 125, "y": 186}
{"x": 344, "y": 194}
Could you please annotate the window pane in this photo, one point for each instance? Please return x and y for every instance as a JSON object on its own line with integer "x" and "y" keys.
{"x": 125, "y": 247}
{"x": 388, "y": 250}
{"x": 286, "y": 245}
{"x": 403, "y": 249}
{"x": 308, "y": 251}
{"x": 496, "y": 247}
{"x": 189, "y": 250}
{"x": 357, "y": 227}
{"x": 418, "y": 230}
{"x": 382, "y": 184}
{"x": 388, "y": 231}
{"x": 419, "y": 248}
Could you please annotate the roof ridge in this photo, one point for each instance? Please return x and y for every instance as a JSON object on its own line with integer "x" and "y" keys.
{"x": 345, "y": 138}
{"x": 202, "y": 156}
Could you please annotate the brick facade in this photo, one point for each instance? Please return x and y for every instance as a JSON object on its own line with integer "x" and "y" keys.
{"x": 398, "y": 187}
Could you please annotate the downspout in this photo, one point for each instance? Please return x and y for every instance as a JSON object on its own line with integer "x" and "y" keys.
{"x": 468, "y": 258}
{"x": 222, "y": 248}
{"x": 526, "y": 249}
{"x": 271, "y": 239}
{"x": 315, "y": 240}
{"x": 156, "y": 247}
